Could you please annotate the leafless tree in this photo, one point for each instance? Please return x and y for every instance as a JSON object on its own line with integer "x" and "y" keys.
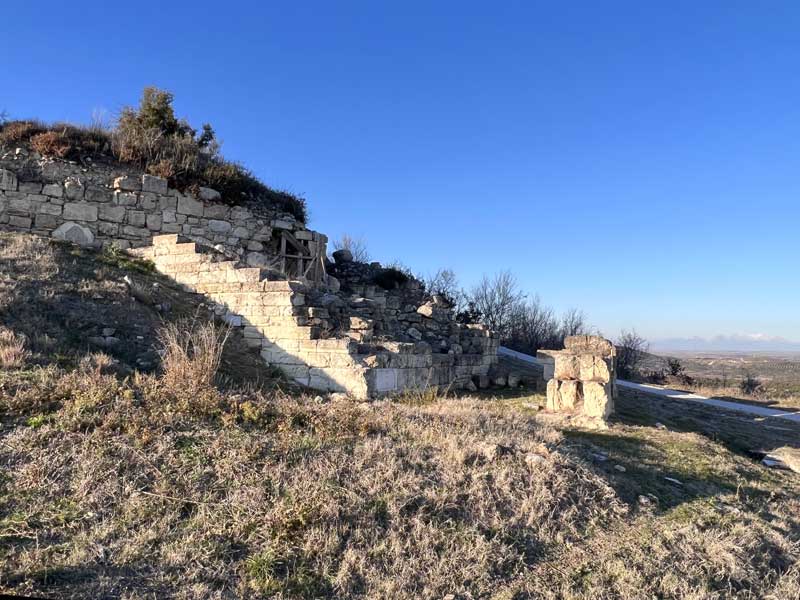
{"x": 445, "y": 283}
{"x": 496, "y": 299}
{"x": 357, "y": 247}
{"x": 573, "y": 322}
{"x": 631, "y": 351}
{"x": 534, "y": 326}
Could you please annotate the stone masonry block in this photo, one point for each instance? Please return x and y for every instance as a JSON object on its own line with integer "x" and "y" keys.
{"x": 595, "y": 368}
{"x": 128, "y": 183}
{"x": 80, "y": 211}
{"x": 157, "y": 185}
{"x": 598, "y": 399}
{"x": 588, "y": 344}
{"x": 8, "y": 181}
{"x": 53, "y": 189}
{"x": 567, "y": 366}
{"x": 114, "y": 214}
{"x": 189, "y": 206}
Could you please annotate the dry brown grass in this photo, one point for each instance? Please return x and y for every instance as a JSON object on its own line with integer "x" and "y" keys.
{"x": 12, "y": 349}
{"x": 62, "y": 298}
{"x": 191, "y": 354}
{"x": 121, "y": 484}
{"x": 120, "y": 489}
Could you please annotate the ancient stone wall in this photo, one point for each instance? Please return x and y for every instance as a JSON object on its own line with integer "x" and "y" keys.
{"x": 325, "y": 339}
{"x": 371, "y": 334}
{"x": 104, "y": 204}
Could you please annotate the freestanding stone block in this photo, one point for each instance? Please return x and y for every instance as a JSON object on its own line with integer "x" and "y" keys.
{"x": 583, "y": 377}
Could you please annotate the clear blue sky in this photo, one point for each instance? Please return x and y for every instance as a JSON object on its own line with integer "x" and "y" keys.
{"x": 638, "y": 160}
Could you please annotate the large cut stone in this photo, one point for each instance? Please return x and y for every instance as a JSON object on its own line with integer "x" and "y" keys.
{"x": 72, "y": 232}
{"x": 596, "y": 368}
{"x": 8, "y": 181}
{"x": 567, "y": 366}
{"x": 598, "y": 399}
{"x": 115, "y": 214}
{"x": 343, "y": 256}
{"x": 189, "y": 206}
{"x": 588, "y": 344}
{"x": 53, "y": 189}
{"x": 127, "y": 183}
{"x": 553, "y": 395}
{"x": 219, "y": 226}
{"x": 570, "y": 395}
{"x": 80, "y": 211}
{"x": 157, "y": 185}
{"x": 564, "y": 395}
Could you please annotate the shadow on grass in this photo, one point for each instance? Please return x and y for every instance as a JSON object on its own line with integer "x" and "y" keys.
{"x": 678, "y": 470}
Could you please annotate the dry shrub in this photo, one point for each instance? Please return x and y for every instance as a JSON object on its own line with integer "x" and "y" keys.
{"x": 17, "y": 132}
{"x": 151, "y": 137}
{"x": 51, "y": 143}
{"x": 12, "y": 349}
{"x": 191, "y": 353}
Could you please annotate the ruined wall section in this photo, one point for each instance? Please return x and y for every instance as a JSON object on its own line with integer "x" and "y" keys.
{"x": 291, "y": 324}
{"x": 103, "y": 204}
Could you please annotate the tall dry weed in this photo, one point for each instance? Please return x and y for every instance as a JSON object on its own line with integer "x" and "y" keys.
{"x": 191, "y": 353}
{"x": 12, "y": 349}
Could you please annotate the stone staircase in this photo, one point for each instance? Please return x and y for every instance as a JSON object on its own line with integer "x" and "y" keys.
{"x": 330, "y": 341}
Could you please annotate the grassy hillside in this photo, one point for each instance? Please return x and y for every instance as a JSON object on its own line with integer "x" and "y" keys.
{"x": 124, "y": 481}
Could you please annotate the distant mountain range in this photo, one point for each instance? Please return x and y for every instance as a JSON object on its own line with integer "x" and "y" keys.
{"x": 756, "y": 342}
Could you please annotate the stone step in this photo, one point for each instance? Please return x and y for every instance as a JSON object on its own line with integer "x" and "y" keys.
{"x": 166, "y": 239}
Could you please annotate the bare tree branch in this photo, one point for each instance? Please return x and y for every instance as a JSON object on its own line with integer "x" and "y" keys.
{"x": 356, "y": 246}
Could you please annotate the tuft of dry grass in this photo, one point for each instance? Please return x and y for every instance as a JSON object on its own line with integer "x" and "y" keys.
{"x": 12, "y": 349}
{"x": 191, "y": 354}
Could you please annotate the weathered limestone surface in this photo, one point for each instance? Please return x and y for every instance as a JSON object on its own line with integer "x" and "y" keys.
{"x": 582, "y": 376}
{"x": 119, "y": 206}
{"x": 339, "y": 342}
